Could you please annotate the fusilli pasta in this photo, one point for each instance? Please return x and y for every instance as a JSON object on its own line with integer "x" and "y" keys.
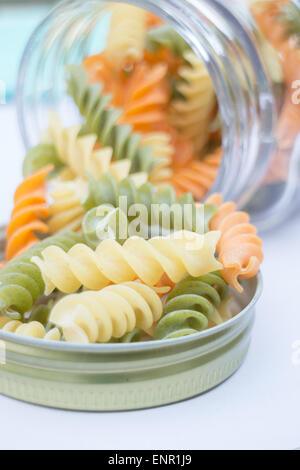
{"x": 239, "y": 247}
{"x": 79, "y": 153}
{"x": 176, "y": 255}
{"x": 190, "y": 305}
{"x": 125, "y": 42}
{"x": 108, "y": 191}
{"x": 66, "y": 211}
{"x": 105, "y": 218}
{"x": 196, "y": 176}
{"x": 30, "y": 206}
{"x": 145, "y": 97}
{"x": 21, "y": 282}
{"x": 186, "y": 213}
{"x": 193, "y": 114}
{"x": 32, "y": 329}
{"x": 101, "y": 120}
{"x": 40, "y": 156}
{"x": 153, "y": 20}
{"x": 163, "y": 151}
{"x": 91, "y": 316}
{"x": 142, "y": 95}
{"x": 100, "y": 70}
{"x": 164, "y": 36}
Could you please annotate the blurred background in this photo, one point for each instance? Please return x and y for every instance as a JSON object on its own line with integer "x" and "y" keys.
{"x": 18, "y": 18}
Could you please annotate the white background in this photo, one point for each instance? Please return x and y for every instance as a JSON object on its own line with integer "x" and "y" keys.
{"x": 258, "y": 408}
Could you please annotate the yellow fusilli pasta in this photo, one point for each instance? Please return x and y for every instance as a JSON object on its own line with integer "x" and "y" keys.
{"x": 163, "y": 151}
{"x": 193, "y": 115}
{"x": 66, "y": 211}
{"x": 91, "y": 316}
{"x": 176, "y": 255}
{"x": 32, "y": 329}
{"x": 125, "y": 42}
{"x": 79, "y": 153}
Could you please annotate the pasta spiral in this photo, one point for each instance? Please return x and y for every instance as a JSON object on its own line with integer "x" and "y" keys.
{"x": 163, "y": 151}
{"x": 192, "y": 217}
{"x": 189, "y": 306}
{"x": 79, "y": 154}
{"x": 66, "y": 211}
{"x": 104, "y": 218}
{"x": 180, "y": 253}
{"x": 99, "y": 316}
{"x": 145, "y": 97}
{"x": 102, "y": 121}
{"x": 125, "y": 42}
{"x": 142, "y": 95}
{"x": 100, "y": 70}
{"x": 39, "y": 157}
{"x": 193, "y": 114}
{"x": 108, "y": 191}
{"x": 21, "y": 283}
{"x": 30, "y": 206}
{"x": 153, "y": 20}
{"x": 32, "y": 329}
{"x": 164, "y": 36}
{"x": 239, "y": 247}
{"x": 196, "y": 176}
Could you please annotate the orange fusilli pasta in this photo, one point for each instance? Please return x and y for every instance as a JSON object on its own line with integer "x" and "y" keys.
{"x": 266, "y": 14}
{"x": 239, "y": 247}
{"x": 153, "y": 20}
{"x": 100, "y": 70}
{"x": 145, "y": 98}
{"x": 143, "y": 94}
{"x": 30, "y": 206}
{"x": 196, "y": 176}
{"x": 165, "y": 56}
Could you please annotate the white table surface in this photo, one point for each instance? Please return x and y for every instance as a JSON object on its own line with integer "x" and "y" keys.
{"x": 258, "y": 408}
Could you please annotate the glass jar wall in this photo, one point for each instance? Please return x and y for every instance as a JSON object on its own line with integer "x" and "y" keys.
{"x": 253, "y": 68}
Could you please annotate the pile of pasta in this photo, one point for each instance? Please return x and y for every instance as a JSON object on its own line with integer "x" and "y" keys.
{"x": 150, "y": 134}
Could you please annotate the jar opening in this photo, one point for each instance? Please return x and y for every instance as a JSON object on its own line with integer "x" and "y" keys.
{"x": 236, "y": 116}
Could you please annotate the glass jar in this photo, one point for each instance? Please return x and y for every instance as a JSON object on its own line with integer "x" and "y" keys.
{"x": 258, "y": 171}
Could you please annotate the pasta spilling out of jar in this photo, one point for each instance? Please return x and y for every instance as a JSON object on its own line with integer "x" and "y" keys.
{"x": 111, "y": 239}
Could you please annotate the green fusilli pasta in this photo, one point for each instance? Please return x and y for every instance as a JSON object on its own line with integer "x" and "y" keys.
{"x": 132, "y": 337}
{"x": 102, "y": 122}
{"x": 21, "y": 282}
{"x": 165, "y": 36}
{"x": 106, "y": 194}
{"x": 189, "y": 306}
{"x": 40, "y": 313}
{"x": 40, "y": 156}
